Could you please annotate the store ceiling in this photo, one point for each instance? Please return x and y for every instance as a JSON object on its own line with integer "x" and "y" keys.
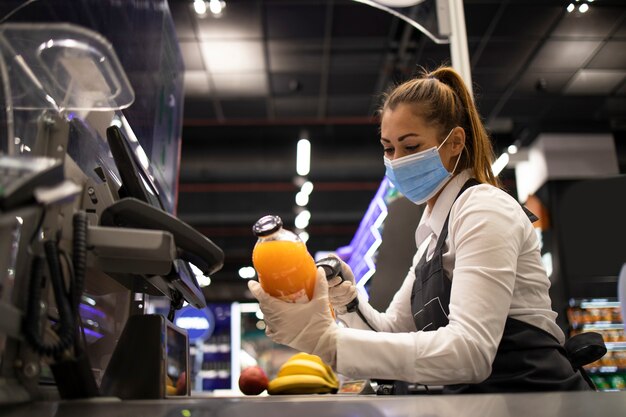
{"x": 277, "y": 61}
{"x": 265, "y": 71}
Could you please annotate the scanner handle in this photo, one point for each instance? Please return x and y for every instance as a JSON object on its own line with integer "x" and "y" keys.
{"x": 332, "y": 268}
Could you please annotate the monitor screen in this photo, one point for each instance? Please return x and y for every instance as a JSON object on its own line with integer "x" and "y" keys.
{"x": 176, "y": 361}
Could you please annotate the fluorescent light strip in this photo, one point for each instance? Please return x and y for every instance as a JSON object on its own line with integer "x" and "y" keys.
{"x": 303, "y": 159}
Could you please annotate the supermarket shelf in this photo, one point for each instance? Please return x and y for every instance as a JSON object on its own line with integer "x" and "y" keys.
{"x": 603, "y": 326}
{"x": 608, "y": 383}
{"x": 606, "y": 370}
{"x": 604, "y": 317}
{"x": 586, "y": 304}
{"x": 598, "y": 325}
{"x": 615, "y": 345}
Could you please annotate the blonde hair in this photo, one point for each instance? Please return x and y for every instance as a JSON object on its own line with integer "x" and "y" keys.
{"x": 442, "y": 99}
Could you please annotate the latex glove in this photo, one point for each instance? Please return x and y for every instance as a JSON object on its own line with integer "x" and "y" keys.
{"x": 307, "y": 327}
{"x": 341, "y": 293}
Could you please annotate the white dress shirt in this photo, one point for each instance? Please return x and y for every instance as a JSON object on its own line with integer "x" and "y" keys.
{"x": 493, "y": 259}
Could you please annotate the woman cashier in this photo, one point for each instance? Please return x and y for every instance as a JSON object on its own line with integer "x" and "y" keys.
{"x": 473, "y": 313}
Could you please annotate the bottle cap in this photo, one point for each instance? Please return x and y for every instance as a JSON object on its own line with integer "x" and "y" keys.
{"x": 267, "y": 225}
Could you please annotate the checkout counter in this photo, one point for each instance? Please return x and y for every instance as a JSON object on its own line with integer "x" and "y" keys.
{"x": 567, "y": 404}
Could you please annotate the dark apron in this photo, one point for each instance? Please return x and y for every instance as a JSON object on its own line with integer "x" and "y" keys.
{"x": 527, "y": 359}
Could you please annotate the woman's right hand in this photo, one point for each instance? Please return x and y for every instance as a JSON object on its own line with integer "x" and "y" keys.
{"x": 342, "y": 292}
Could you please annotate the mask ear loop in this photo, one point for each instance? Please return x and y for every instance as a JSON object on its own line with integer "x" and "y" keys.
{"x": 444, "y": 141}
{"x": 460, "y": 153}
{"x": 457, "y": 162}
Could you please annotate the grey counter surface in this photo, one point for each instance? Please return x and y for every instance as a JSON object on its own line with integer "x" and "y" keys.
{"x": 566, "y": 404}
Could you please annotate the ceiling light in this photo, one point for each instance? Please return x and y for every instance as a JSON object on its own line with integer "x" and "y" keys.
{"x": 216, "y": 6}
{"x": 307, "y": 188}
{"x": 247, "y": 272}
{"x": 304, "y": 236}
{"x": 236, "y": 63}
{"x": 570, "y": 7}
{"x": 583, "y": 8}
{"x": 302, "y": 219}
{"x": 200, "y": 7}
{"x": 203, "y": 280}
{"x": 512, "y": 149}
{"x": 303, "y": 158}
{"x": 302, "y": 199}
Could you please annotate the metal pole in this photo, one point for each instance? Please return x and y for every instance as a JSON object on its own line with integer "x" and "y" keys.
{"x": 451, "y": 18}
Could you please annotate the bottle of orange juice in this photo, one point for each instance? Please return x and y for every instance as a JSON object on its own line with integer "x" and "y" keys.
{"x": 285, "y": 268}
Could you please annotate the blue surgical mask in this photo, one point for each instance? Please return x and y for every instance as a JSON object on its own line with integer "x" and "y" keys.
{"x": 421, "y": 175}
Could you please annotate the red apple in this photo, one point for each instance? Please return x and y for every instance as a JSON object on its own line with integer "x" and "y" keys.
{"x": 253, "y": 381}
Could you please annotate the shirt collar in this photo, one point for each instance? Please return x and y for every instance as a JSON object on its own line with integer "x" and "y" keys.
{"x": 433, "y": 219}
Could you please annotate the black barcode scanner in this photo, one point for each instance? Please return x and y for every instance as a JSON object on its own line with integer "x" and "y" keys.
{"x": 332, "y": 268}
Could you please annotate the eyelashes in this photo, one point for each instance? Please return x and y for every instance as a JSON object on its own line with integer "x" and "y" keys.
{"x": 409, "y": 149}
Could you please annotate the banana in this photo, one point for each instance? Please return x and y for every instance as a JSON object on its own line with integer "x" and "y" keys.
{"x": 307, "y": 356}
{"x": 306, "y": 367}
{"x": 302, "y": 366}
{"x": 300, "y": 384}
{"x": 304, "y": 374}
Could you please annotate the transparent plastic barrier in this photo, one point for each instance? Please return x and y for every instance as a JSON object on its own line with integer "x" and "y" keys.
{"x": 56, "y": 67}
{"x": 62, "y": 67}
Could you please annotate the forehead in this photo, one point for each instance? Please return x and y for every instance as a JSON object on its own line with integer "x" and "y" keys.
{"x": 402, "y": 118}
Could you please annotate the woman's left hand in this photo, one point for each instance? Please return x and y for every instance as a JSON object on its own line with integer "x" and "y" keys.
{"x": 307, "y": 327}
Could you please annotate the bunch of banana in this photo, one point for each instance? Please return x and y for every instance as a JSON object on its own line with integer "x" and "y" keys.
{"x": 304, "y": 374}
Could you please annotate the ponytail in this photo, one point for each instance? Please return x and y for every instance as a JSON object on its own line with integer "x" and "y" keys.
{"x": 442, "y": 98}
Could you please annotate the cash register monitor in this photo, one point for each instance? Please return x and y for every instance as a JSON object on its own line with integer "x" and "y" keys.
{"x": 176, "y": 361}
